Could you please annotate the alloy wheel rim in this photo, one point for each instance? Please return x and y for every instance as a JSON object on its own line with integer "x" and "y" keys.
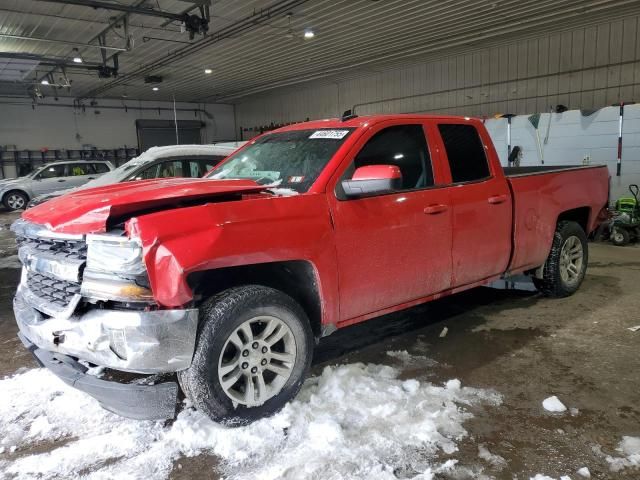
{"x": 15, "y": 201}
{"x": 257, "y": 360}
{"x": 571, "y": 260}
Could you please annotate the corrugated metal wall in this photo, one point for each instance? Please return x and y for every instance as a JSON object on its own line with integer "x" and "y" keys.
{"x": 575, "y": 138}
{"x": 588, "y": 67}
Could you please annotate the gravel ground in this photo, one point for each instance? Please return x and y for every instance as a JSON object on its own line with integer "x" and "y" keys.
{"x": 523, "y": 346}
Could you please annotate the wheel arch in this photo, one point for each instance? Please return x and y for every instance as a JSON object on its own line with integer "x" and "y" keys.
{"x": 580, "y": 215}
{"x": 19, "y": 190}
{"x": 296, "y": 278}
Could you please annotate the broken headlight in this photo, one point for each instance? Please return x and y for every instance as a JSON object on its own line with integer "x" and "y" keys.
{"x": 115, "y": 270}
{"x": 114, "y": 254}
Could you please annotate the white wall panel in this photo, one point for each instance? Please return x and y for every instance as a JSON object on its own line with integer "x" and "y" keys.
{"x": 572, "y": 137}
{"x": 589, "y": 67}
{"x": 59, "y": 127}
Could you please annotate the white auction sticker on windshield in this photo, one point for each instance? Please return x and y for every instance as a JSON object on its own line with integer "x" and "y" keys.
{"x": 332, "y": 134}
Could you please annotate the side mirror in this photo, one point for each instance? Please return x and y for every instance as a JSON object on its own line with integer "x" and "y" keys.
{"x": 372, "y": 180}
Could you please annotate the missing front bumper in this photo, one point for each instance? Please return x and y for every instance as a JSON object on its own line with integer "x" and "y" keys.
{"x": 158, "y": 341}
{"x": 139, "y": 402}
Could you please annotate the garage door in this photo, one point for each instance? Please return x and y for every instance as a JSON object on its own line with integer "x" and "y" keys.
{"x": 157, "y": 133}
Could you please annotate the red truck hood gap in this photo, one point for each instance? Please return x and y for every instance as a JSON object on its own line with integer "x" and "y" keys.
{"x": 88, "y": 211}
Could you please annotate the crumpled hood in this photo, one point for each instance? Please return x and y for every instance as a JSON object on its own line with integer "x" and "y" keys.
{"x": 87, "y": 211}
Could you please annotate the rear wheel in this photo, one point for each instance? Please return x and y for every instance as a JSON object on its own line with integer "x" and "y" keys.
{"x": 566, "y": 264}
{"x": 253, "y": 352}
{"x": 15, "y": 200}
{"x": 620, "y": 236}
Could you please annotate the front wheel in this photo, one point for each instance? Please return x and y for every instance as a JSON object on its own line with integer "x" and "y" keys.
{"x": 15, "y": 200}
{"x": 253, "y": 353}
{"x": 566, "y": 264}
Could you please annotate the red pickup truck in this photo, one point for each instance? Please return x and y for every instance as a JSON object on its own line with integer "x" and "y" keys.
{"x": 230, "y": 279}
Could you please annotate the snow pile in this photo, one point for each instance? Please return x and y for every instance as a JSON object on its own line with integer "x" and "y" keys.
{"x": 630, "y": 449}
{"x": 553, "y": 404}
{"x": 410, "y": 360}
{"x": 355, "y": 421}
{"x": 495, "y": 460}
{"x": 584, "y": 472}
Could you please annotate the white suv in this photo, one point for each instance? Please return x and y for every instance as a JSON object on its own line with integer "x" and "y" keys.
{"x": 15, "y": 193}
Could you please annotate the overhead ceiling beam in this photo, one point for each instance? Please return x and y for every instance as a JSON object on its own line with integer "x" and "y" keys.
{"x": 121, "y": 8}
{"x": 244, "y": 25}
{"x": 62, "y": 42}
{"x": 49, "y": 61}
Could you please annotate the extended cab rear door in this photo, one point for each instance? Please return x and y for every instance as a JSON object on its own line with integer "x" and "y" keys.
{"x": 392, "y": 248}
{"x": 480, "y": 198}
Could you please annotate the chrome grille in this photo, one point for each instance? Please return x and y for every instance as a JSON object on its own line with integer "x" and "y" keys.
{"x": 53, "y": 264}
{"x": 52, "y": 290}
{"x": 62, "y": 248}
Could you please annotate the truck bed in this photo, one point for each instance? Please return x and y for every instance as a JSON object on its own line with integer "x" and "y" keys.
{"x": 540, "y": 195}
{"x": 538, "y": 169}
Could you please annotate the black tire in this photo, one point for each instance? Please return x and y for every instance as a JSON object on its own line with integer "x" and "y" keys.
{"x": 620, "y": 236}
{"x": 15, "y": 200}
{"x": 552, "y": 283}
{"x": 220, "y": 317}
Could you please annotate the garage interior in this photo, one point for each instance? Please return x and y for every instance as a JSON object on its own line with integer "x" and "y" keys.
{"x": 105, "y": 80}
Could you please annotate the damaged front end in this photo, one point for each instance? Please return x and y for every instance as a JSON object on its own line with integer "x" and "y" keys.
{"x": 87, "y": 298}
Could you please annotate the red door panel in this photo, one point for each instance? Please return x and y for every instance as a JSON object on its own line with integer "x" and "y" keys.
{"x": 481, "y": 230}
{"x": 481, "y": 207}
{"x": 391, "y": 250}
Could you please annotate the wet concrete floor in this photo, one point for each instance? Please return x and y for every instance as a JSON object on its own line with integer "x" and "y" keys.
{"x": 522, "y": 345}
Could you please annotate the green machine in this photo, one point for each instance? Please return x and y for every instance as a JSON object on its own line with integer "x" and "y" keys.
{"x": 625, "y": 225}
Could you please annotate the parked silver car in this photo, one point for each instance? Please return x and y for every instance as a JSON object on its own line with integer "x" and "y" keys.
{"x": 15, "y": 193}
{"x": 160, "y": 162}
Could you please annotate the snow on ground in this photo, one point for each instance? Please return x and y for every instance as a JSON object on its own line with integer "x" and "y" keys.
{"x": 584, "y": 472}
{"x": 553, "y": 404}
{"x": 410, "y": 360}
{"x": 353, "y": 421}
{"x": 496, "y": 460}
{"x": 12, "y": 261}
{"x": 630, "y": 449}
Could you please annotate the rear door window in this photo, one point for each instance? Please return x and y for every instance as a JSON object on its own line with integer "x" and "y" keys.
{"x": 171, "y": 169}
{"x": 467, "y": 158}
{"x": 194, "y": 168}
{"x": 78, "y": 169}
{"x": 100, "y": 167}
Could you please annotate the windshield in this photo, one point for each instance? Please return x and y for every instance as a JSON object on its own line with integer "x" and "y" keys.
{"x": 291, "y": 160}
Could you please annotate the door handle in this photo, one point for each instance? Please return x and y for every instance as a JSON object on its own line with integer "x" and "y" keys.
{"x": 497, "y": 199}
{"x": 435, "y": 209}
{"x": 61, "y": 180}
{"x": 92, "y": 178}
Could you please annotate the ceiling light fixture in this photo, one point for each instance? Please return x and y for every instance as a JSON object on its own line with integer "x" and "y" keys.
{"x": 155, "y": 89}
{"x": 44, "y": 81}
{"x": 208, "y": 71}
{"x": 309, "y": 33}
{"x": 76, "y": 56}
